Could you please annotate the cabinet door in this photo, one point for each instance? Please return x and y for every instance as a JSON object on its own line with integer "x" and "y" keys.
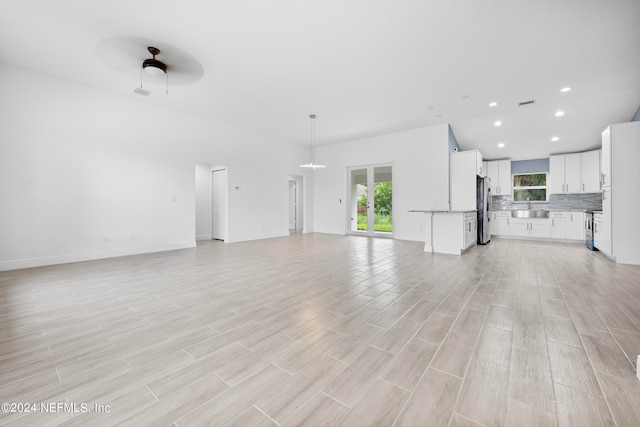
{"x": 572, "y": 179}
{"x": 602, "y": 236}
{"x": 559, "y": 228}
{"x": 505, "y": 181}
{"x": 540, "y": 227}
{"x": 493, "y": 224}
{"x": 575, "y": 225}
{"x": 605, "y": 158}
{"x": 470, "y": 232}
{"x": 597, "y": 236}
{"x": 492, "y": 172}
{"x": 556, "y": 174}
{"x": 519, "y": 227}
{"x": 590, "y": 172}
{"x": 606, "y": 236}
{"x": 504, "y": 225}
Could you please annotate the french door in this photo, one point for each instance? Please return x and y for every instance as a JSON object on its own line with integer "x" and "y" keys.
{"x": 371, "y": 201}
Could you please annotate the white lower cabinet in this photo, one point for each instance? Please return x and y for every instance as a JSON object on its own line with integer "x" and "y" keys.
{"x": 561, "y": 225}
{"x": 568, "y": 225}
{"x": 576, "y": 225}
{"x": 453, "y": 232}
{"x": 493, "y": 223}
{"x": 531, "y": 227}
{"x": 601, "y": 235}
{"x": 558, "y": 225}
{"x": 470, "y": 229}
{"x": 501, "y": 223}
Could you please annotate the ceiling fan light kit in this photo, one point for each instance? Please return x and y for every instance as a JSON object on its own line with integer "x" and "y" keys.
{"x": 154, "y": 67}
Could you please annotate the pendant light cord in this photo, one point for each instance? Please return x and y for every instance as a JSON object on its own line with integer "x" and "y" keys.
{"x": 313, "y": 138}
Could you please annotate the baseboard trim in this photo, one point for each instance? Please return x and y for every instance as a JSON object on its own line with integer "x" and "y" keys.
{"x": 254, "y": 237}
{"x": 90, "y": 256}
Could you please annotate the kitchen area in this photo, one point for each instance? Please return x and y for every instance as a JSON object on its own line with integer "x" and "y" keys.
{"x": 588, "y": 198}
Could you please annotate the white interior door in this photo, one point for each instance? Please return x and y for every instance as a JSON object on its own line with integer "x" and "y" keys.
{"x": 371, "y": 200}
{"x": 219, "y": 204}
{"x": 293, "y": 205}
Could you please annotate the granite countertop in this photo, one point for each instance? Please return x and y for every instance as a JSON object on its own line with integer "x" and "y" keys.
{"x": 439, "y": 211}
{"x": 533, "y": 208}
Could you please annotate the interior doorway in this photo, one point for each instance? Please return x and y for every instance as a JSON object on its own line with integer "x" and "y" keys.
{"x": 219, "y": 200}
{"x": 293, "y": 203}
{"x": 371, "y": 200}
{"x": 295, "y": 199}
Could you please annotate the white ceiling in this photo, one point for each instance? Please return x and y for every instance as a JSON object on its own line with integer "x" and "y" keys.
{"x": 365, "y": 67}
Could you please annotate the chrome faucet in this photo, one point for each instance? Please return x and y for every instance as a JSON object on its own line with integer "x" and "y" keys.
{"x": 528, "y": 204}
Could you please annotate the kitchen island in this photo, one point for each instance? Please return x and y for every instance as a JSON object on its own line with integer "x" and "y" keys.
{"x": 449, "y": 232}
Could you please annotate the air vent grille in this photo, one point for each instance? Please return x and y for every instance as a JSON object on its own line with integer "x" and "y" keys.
{"x": 522, "y": 104}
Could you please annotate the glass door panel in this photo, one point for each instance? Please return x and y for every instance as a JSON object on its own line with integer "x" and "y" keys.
{"x": 382, "y": 200}
{"x": 371, "y": 205}
{"x": 359, "y": 211}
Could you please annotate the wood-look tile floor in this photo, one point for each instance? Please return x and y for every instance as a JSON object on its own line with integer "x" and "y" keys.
{"x": 324, "y": 330}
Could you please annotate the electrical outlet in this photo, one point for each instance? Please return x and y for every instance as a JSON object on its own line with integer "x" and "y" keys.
{"x": 105, "y": 239}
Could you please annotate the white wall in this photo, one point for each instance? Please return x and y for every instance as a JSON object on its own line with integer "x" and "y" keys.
{"x": 203, "y": 201}
{"x": 420, "y": 159}
{"x": 79, "y": 165}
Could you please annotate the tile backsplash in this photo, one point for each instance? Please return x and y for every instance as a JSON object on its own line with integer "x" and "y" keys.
{"x": 588, "y": 201}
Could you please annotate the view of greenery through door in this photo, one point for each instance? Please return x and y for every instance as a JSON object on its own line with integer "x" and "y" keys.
{"x": 382, "y": 193}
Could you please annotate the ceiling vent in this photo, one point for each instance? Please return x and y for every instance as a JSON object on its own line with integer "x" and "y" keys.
{"x": 522, "y": 104}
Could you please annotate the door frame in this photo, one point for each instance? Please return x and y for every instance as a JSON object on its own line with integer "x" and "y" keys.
{"x": 370, "y": 232}
{"x": 293, "y": 185}
{"x": 225, "y": 198}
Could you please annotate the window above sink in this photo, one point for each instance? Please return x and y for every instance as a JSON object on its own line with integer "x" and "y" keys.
{"x": 530, "y": 187}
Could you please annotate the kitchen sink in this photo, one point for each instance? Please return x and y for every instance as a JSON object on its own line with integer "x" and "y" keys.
{"x": 537, "y": 213}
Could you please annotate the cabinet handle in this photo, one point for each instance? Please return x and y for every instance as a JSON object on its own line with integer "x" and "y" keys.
{"x": 603, "y": 194}
{"x": 553, "y": 223}
{"x": 583, "y": 187}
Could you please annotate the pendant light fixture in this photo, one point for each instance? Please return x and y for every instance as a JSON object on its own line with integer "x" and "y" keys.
{"x": 311, "y": 164}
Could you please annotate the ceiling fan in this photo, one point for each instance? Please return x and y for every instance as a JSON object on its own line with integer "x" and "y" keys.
{"x": 129, "y": 56}
{"x": 153, "y": 66}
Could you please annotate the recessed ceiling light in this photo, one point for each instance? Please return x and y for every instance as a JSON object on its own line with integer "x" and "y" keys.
{"x": 498, "y": 123}
{"x": 438, "y": 116}
{"x": 559, "y": 113}
{"x": 466, "y": 97}
{"x": 501, "y": 145}
{"x": 565, "y": 89}
{"x": 430, "y": 107}
{"x": 493, "y": 104}
{"x": 555, "y": 138}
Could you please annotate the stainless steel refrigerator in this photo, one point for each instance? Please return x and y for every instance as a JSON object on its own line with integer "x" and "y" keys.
{"x": 483, "y": 204}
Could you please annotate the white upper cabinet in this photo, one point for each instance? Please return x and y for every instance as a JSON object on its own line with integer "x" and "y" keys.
{"x": 574, "y": 173}
{"x": 605, "y": 158}
{"x": 556, "y": 174}
{"x": 590, "y": 171}
{"x": 499, "y": 171}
